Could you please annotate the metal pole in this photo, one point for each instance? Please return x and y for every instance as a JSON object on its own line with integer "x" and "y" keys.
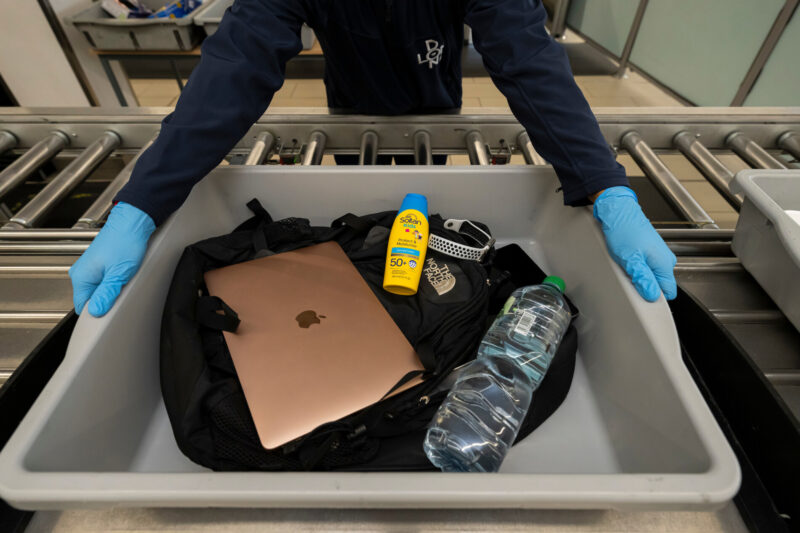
{"x": 700, "y": 248}
{"x": 50, "y": 248}
{"x": 789, "y": 141}
{"x": 476, "y": 147}
{"x": 530, "y": 154}
{"x": 712, "y": 168}
{"x": 751, "y": 152}
{"x": 423, "y": 154}
{"x": 102, "y": 205}
{"x": 314, "y": 148}
{"x": 69, "y": 178}
{"x": 696, "y": 234}
{"x": 22, "y": 270}
{"x": 261, "y": 149}
{"x": 559, "y": 19}
{"x": 33, "y": 234}
{"x": 773, "y": 36}
{"x": 368, "y": 154}
{"x": 664, "y": 180}
{"x": 7, "y": 141}
{"x": 28, "y": 162}
{"x": 624, "y": 59}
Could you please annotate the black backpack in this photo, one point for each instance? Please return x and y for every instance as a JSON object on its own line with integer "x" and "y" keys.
{"x": 444, "y": 321}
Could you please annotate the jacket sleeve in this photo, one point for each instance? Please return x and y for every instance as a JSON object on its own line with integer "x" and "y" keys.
{"x": 533, "y": 73}
{"x": 241, "y": 67}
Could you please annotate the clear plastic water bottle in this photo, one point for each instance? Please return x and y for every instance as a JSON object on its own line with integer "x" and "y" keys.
{"x": 481, "y": 416}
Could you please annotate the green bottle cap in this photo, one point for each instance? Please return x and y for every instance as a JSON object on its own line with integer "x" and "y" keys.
{"x": 558, "y": 282}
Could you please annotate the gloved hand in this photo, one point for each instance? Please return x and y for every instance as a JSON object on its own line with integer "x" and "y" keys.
{"x": 111, "y": 260}
{"x": 635, "y": 245}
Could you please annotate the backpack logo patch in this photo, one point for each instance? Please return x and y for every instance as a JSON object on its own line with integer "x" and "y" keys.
{"x": 439, "y": 277}
{"x": 433, "y": 53}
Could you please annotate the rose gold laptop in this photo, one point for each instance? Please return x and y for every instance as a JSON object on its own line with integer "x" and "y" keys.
{"x": 314, "y": 343}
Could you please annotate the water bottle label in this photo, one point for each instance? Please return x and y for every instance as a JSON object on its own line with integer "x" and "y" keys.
{"x": 525, "y": 323}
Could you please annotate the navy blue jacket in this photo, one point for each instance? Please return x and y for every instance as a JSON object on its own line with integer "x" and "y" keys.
{"x": 382, "y": 58}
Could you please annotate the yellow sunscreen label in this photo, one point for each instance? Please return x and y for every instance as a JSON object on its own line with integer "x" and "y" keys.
{"x": 405, "y": 256}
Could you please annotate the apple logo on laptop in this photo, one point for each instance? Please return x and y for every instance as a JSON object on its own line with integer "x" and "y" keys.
{"x": 307, "y": 318}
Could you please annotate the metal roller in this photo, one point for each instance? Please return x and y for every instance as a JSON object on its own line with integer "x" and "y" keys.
{"x": 69, "y": 178}
{"x": 476, "y": 148}
{"x": 368, "y": 153}
{"x": 46, "y": 248}
{"x": 789, "y": 141}
{"x": 315, "y": 148}
{"x": 423, "y": 152}
{"x": 7, "y": 141}
{"x": 31, "y": 160}
{"x": 102, "y": 205}
{"x": 35, "y": 234}
{"x": 712, "y": 168}
{"x": 22, "y": 270}
{"x": 696, "y": 234}
{"x": 751, "y": 152}
{"x": 261, "y": 149}
{"x": 530, "y": 154}
{"x": 666, "y": 182}
{"x": 700, "y": 248}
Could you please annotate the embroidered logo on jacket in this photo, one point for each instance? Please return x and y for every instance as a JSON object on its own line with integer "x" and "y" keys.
{"x": 433, "y": 54}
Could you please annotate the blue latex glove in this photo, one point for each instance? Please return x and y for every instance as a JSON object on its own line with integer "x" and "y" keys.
{"x": 111, "y": 260}
{"x": 635, "y": 245}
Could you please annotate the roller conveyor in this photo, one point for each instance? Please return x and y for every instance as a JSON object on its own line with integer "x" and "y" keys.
{"x": 35, "y": 292}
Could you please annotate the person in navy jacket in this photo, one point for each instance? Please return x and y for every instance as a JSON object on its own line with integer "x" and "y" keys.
{"x": 383, "y": 57}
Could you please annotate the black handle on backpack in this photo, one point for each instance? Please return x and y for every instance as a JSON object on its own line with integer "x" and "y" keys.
{"x": 357, "y": 223}
{"x": 208, "y": 314}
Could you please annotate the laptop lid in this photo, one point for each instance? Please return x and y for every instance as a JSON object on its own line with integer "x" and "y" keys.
{"x": 314, "y": 343}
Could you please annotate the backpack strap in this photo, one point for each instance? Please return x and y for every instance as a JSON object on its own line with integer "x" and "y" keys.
{"x": 258, "y": 210}
{"x": 426, "y": 355}
{"x": 208, "y": 314}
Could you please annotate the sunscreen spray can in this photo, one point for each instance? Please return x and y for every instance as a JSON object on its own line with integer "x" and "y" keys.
{"x": 408, "y": 242}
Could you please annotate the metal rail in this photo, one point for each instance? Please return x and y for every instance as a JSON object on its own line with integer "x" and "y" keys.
{"x": 315, "y": 148}
{"x": 368, "y": 153}
{"x": 712, "y": 168}
{"x": 46, "y": 248}
{"x": 751, "y": 152}
{"x": 559, "y": 21}
{"x": 423, "y": 153}
{"x": 697, "y": 234}
{"x": 633, "y": 33}
{"x": 476, "y": 148}
{"x": 69, "y": 178}
{"x": 7, "y": 141}
{"x": 93, "y": 216}
{"x": 790, "y": 141}
{"x": 261, "y": 148}
{"x": 39, "y": 154}
{"x": 665, "y": 180}
{"x": 530, "y": 154}
{"x": 37, "y": 234}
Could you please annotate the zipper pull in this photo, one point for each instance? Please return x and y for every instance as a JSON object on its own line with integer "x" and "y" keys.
{"x": 388, "y": 11}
